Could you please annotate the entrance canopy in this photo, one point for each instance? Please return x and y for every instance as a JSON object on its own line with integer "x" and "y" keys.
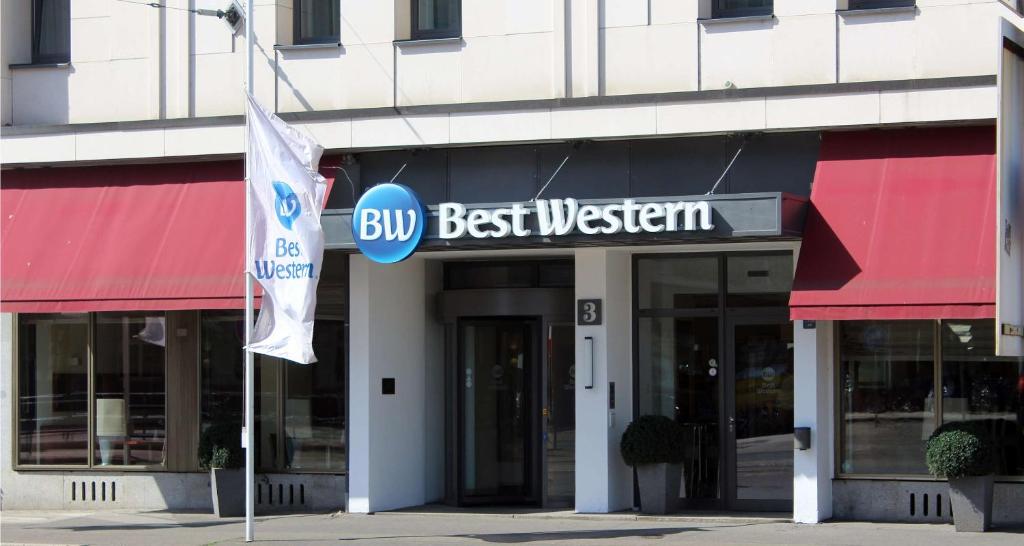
{"x": 901, "y": 226}
{"x": 134, "y": 237}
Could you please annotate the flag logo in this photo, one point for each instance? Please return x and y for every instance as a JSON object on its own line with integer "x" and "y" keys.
{"x": 387, "y": 223}
{"x": 286, "y": 204}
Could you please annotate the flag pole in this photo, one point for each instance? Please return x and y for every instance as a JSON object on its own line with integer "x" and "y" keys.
{"x": 250, "y": 443}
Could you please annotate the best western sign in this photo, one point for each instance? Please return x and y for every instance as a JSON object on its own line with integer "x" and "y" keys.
{"x": 564, "y": 216}
{"x": 390, "y": 222}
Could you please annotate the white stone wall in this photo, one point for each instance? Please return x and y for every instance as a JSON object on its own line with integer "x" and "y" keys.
{"x": 133, "y": 62}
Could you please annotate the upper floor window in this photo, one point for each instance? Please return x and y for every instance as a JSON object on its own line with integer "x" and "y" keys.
{"x": 436, "y": 19}
{"x": 740, "y": 8}
{"x": 317, "y": 21}
{"x": 876, "y": 4}
{"x": 51, "y": 31}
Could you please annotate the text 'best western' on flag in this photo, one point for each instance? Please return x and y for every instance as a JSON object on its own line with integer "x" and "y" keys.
{"x": 286, "y": 246}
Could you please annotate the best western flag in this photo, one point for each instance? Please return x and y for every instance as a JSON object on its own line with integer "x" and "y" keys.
{"x": 286, "y": 241}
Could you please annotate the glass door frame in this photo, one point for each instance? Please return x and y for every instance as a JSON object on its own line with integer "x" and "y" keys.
{"x": 747, "y": 317}
{"x": 727, "y": 317}
{"x": 534, "y": 469}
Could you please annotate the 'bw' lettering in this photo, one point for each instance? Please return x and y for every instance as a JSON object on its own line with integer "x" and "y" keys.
{"x": 391, "y": 224}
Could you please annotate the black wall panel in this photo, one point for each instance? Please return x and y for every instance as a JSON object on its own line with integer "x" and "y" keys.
{"x": 600, "y": 169}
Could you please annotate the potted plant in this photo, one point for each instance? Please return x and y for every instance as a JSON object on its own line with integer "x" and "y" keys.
{"x": 962, "y": 453}
{"x": 220, "y": 451}
{"x": 653, "y": 445}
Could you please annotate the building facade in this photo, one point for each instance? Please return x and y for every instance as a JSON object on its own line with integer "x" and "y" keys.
{"x": 770, "y": 216}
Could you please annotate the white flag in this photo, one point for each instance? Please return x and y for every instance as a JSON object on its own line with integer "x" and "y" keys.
{"x": 287, "y": 242}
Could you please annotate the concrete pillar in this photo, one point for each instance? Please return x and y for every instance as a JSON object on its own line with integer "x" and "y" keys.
{"x": 390, "y": 453}
{"x": 812, "y": 404}
{"x": 603, "y": 482}
{"x": 583, "y": 58}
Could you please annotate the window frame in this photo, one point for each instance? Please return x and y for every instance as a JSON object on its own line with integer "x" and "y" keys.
{"x": 415, "y": 33}
{"x": 734, "y": 13}
{"x": 299, "y": 39}
{"x": 837, "y": 444}
{"x": 38, "y": 59}
{"x": 91, "y": 464}
{"x": 280, "y": 400}
{"x": 865, "y": 5}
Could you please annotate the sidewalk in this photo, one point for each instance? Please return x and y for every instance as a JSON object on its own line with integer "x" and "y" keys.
{"x": 432, "y": 525}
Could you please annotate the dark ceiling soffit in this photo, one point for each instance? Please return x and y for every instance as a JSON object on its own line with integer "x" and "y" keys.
{"x": 480, "y": 107}
{"x": 746, "y": 216}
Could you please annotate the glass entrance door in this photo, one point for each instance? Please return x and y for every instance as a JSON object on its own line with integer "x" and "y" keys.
{"x": 497, "y": 360}
{"x": 759, "y": 414}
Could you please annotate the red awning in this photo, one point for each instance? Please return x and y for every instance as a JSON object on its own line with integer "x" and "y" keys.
{"x": 901, "y": 226}
{"x": 123, "y": 238}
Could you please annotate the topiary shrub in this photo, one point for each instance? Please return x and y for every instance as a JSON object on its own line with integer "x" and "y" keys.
{"x": 959, "y": 451}
{"x": 652, "y": 439}
{"x": 220, "y": 446}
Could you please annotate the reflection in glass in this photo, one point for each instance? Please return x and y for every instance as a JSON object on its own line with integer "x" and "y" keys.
{"x": 315, "y": 404}
{"x": 561, "y": 415}
{"x": 313, "y": 397}
{"x": 679, "y": 374}
{"x": 978, "y": 386}
{"x": 758, "y": 280}
{"x": 495, "y": 357}
{"x": 764, "y": 410}
{"x": 318, "y": 21}
{"x": 677, "y": 283}
{"x": 221, "y": 368}
{"x": 129, "y": 382}
{"x": 886, "y": 395}
{"x": 53, "y": 404}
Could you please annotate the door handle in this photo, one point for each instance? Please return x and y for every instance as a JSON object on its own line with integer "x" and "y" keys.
{"x": 732, "y": 424}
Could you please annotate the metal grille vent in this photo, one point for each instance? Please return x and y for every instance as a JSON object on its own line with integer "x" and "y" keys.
{"x": 281, "y": 495}
{"x": 94, "y": 491}
{"x": 931, "y": 507}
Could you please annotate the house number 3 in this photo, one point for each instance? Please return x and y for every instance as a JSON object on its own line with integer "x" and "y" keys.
{"x": 588, "y": 312}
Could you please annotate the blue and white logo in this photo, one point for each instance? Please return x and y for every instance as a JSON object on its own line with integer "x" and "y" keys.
{"x": 388, "y": 222}
{"x": 286, "y": 204}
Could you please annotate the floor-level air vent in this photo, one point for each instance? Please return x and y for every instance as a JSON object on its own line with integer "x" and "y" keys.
{"x": 93, "y": 491}
{"x": 928, "y": 506}
{"x": 281, "y": 495}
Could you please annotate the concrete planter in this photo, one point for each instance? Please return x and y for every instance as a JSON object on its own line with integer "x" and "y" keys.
{"x": 972, "y": 503}
{"x": 659, "y": 487}
{"x": 228, "y": 489}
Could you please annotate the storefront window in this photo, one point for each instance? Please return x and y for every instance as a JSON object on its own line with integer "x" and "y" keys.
{"x": 677, "y": 283}
{"x": 887, "y": 395}
{"x": 300, "y": 409}
{"x": 977, "y": 386}
{"x": 129, "y": 384}
{"x": 53, "y": 391}
{"x": 315, "y": 405}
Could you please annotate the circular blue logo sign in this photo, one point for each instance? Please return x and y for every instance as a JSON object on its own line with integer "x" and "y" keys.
{"x": 388, "y": 223}
{"x": 286, "y": 204}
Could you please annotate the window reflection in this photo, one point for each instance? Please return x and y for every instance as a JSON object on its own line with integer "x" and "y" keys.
{"x": 679, "y": 373}
{"x": 129, "y": 383}
{"x": 978, "y": 386}
{"x": 53, "y": 392}
{"x": 300, "y": 409}
{"x": 887, "y": 395}
{"x": 677, "y": 283}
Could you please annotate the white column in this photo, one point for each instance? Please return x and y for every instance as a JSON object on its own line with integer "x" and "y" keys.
{"x": 388, "y": 444}
{"x": 812, "y": 405}
{"x": 603, "y": 482}
{"x": 583, "y": 48}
